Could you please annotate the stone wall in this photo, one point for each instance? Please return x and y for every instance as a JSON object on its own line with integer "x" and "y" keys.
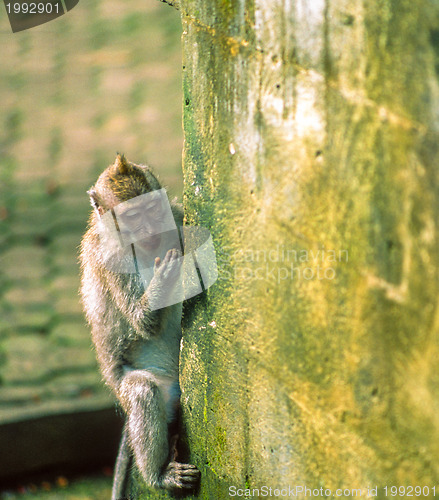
{"x": 311, "y": 153}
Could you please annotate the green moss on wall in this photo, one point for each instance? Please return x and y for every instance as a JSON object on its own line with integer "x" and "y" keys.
{"x": 311, "y": 156}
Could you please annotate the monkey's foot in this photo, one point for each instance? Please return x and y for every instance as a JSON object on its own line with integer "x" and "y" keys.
{"x": 181, "y": 476}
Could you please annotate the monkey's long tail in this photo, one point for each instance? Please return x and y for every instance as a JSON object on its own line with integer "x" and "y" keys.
{"x": 123, "y": 463}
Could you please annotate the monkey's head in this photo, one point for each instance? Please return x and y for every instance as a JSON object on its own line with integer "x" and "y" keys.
{"x": 120, "y": 182}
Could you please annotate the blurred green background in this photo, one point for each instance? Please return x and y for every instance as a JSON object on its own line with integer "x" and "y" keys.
{"x": 102, "y": 79}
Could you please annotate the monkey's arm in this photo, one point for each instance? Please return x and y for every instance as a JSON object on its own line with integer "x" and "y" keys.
{"x": 139, "y": 312}
{"x": 104, "y": 291}
{"x": 134, "y": 306}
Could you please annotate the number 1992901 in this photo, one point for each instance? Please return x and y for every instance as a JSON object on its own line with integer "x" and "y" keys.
{"x": 409, "y": 491}
{"x": 33, "y": 8}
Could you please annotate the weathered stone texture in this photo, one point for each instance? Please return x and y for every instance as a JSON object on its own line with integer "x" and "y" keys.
{"x": 311, "y": 153}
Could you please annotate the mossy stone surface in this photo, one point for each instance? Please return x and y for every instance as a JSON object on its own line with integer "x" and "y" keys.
{"x": 311, "y": 133}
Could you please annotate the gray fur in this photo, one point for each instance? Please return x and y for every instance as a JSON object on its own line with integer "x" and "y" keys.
{"x": 137, "y": 348}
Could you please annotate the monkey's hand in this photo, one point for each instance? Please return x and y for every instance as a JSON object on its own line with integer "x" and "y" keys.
{"x": 167, "y": 271}
{"x": 180, "y": 476}
{"x": 164, "y": 289}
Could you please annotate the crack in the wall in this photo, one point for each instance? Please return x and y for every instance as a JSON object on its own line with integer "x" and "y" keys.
{"x": 400, "y": 292}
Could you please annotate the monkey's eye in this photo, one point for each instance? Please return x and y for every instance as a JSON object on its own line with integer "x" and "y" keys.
{"x": 154, "y": 208}
{"x": 131, "y": 214}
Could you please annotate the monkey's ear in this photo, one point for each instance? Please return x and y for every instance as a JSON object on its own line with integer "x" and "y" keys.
{"x": 122, "y": 165}
{"x": 95, "y": 202}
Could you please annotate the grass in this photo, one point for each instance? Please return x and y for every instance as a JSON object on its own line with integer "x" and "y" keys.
{"x": 83, "y": 488}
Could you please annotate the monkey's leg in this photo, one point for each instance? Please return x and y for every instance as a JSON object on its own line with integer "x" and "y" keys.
{"x": 148, "y": 433}
{"x": 146, "y": 423}
{"x": 121, "y": 468}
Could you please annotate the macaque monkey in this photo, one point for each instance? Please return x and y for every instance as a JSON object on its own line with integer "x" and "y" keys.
{"x": 136, "y": 329}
